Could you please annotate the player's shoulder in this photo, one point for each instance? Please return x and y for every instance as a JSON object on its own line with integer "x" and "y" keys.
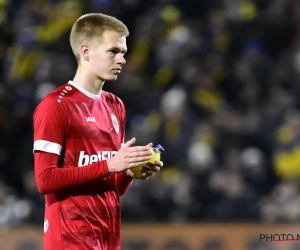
{"x": 57, "y": 97}
{"x": 111, "y": 98}
{"x": 61, "y": 93}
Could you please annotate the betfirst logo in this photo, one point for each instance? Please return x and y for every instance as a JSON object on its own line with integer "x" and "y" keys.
{"x": 85, "y": 159}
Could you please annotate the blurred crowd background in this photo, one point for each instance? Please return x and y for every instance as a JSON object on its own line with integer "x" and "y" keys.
{"x": 215, "y": 82}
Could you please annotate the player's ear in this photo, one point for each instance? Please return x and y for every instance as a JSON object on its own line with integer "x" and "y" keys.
{"x": 84, "y": 49}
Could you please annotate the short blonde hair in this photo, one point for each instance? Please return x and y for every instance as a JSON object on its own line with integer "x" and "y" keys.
{"x": 91, "y": 26}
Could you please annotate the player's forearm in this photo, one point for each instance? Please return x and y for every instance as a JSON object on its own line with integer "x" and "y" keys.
{"x": 51, "y": 179}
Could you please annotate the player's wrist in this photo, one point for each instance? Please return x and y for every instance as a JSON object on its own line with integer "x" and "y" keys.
{"x": 111, "y": 166}
{"x": 129, "y": 174}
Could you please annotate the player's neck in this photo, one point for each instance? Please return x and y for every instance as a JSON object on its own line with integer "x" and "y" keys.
{"x": 89, "y": 83}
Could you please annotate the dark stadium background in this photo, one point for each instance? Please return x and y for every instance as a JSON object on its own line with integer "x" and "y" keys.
{"x": 216, "y": 82}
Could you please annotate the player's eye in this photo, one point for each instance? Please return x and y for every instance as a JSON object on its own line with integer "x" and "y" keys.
{"x": 113, "y": 53}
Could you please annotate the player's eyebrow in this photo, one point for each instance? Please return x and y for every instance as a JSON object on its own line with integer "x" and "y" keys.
{"x": 118, "y": 49}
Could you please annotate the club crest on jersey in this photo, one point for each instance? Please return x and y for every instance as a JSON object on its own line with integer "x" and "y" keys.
{"x": 90, "y": 119}
{"x": 115, "y": 123}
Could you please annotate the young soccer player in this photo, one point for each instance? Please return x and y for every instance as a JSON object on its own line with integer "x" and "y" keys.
{"x": 80, "y": 165}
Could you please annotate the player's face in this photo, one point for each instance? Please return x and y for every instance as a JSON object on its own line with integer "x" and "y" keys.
{"x": 107, "y": 58}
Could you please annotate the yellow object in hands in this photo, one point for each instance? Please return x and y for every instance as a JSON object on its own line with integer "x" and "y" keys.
{"x": 156, "y": 153}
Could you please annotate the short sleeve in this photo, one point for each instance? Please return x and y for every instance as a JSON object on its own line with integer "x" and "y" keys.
{"x": 50, "y": 124}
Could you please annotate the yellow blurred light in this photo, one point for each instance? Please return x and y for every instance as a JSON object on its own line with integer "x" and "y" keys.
{"x": 285, "y": 134}
{"x": 170, "y": 175}
{"x": 171, "y": 14}
{"x": 248, "y": 10}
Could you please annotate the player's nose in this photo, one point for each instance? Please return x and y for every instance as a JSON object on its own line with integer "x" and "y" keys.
{"x": 121, "y": 60}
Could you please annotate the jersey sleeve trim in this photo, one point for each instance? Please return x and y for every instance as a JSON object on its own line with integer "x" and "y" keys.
{"x": 47, "y": 146}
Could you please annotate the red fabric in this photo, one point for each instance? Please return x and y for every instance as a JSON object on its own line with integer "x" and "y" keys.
{"x": 123, "y": 183}
{"x": 50, "y": 178}
{"x": 74, "y": 135}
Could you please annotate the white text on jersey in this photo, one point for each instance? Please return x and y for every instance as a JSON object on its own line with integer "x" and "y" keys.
{"x": 90, "y": 119}
{"x": 85, "y": 159}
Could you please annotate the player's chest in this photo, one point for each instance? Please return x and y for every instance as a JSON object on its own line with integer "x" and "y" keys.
{"x": 93, "y": 120}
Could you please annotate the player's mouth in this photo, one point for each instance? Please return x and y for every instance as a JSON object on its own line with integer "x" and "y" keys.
{"x": 117, "y": 70}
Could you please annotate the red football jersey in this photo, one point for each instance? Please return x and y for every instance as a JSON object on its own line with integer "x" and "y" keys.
{"x": 75, "y": 132}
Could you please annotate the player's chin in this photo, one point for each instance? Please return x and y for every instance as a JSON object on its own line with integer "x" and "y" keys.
{"x": 112, "y": 77}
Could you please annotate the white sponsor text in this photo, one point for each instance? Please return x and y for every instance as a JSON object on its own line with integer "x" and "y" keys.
{"x": 85, "y": 159}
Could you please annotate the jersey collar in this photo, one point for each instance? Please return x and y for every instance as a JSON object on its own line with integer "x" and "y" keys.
{"x": 93, "y": 96}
